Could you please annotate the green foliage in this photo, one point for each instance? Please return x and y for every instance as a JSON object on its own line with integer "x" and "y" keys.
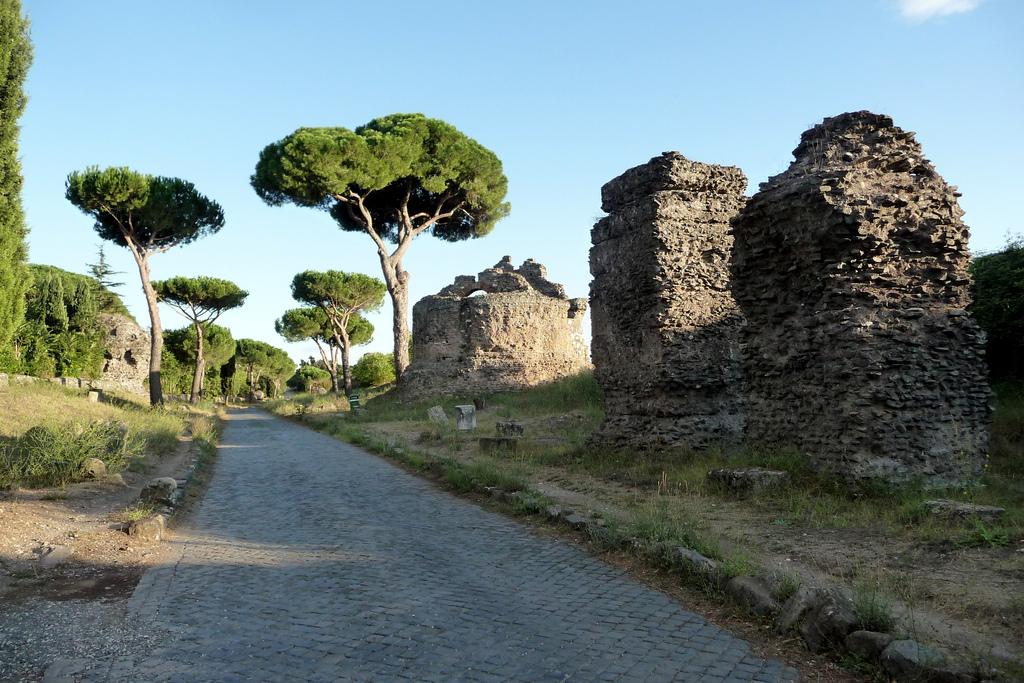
{"x": 153, "y": 213}
{"x": 300, "y": 324}
{"x": 200, "y": 299}
{"x": 62, "y": 334}
{"x": 53, "y": 454}
{"x": 873, "y": 609}
{"x": 399, "y": 160}
{"x": 309, "y": 376}
{"x": 15, "y": 58}
{"x": 338, "y": 293}
{"x": 998, "y": 293}
{"x": 360, "y": 330}
{"x": 374, "y": 369}
{"x": 179, "y": 358}
{"x": 261, "y": 361}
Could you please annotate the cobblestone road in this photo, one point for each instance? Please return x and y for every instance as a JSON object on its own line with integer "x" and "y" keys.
{"x": 312, "y": 560}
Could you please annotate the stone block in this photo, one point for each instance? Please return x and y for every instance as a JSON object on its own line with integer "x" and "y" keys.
{"x": 437, "y": 415}
{"x": 868, "y": 645}
{"x": 509, "y": 428}
{"x": 94, "y": 396}
{"x": 151, "y": 528}
{"x": 56, "y": 555}
{"x": 465, "y": 418}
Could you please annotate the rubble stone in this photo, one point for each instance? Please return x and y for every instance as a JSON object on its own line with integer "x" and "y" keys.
{"x": 851, "y": 270}
{"x": 665, "y": 327}
{"x": 523, "y": 331}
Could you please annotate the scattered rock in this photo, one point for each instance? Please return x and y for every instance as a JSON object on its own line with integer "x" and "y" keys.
{"x": 509, "y": 428}
{"x": 796, "y": 608}
{"x": 576, "y": 521}
{"x": 868, "y": 644}
{"x": 58, "y": 554}
{"x": 159, "y": 491}
{"x": 692, "y": 562}
{"x": 909, "y": 660}
{"x": 94, "y": 396}
{"x": 828, "y": 624}
{"x": 149, "y": 528}
{"x": 553, "y": 511}
{"x": 753, "y": 594}
{"x": 496, "y": 444}
{"x": 437, "y": 416}
{"x": 465, "y": 418}
{"x": 94, "y": 468}
{"x": 953, "y": 509}
{"x": 749, "y": 480}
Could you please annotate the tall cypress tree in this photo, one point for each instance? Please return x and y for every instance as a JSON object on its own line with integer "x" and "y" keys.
{"x": 15, "y": 57}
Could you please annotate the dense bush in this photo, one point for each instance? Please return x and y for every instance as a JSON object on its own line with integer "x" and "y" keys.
{"x": 179, "y": 357}
{"x": 309, "y": 376}
{"x": 998, "y": 293}
{"x": 53, "y": 454}
{"x": 61, "y": 335}
{"x": 374, "y": 369}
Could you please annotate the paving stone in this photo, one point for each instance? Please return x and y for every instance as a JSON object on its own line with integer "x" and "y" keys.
{"x": 358, "y": 571}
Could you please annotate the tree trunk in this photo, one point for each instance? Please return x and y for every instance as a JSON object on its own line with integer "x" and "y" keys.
{"x": 197, "y": 378}
{"x": 330, "y": 363}
{"x": 397, "y": 281}
{"x": 156, "y": 333}
{"x": 346, "y": 371}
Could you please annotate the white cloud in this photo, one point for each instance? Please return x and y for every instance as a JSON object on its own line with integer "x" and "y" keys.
{"x": 922, "y": 10}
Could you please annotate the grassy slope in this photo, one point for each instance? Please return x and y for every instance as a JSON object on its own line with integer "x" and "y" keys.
{"x": 25, "y": 406}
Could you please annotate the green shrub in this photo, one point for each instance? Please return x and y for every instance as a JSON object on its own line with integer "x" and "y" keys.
{"x": 998, "y": 294}
{"x": 374, "y": 370}
{"x": 53, "y": 454}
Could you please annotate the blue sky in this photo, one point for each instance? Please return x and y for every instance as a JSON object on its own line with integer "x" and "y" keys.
{"x": 568, "y": 94}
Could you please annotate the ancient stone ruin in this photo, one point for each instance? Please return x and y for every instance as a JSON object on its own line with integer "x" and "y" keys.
{"x": 126, "y": 355}
{"x": 665, "y": 327}
{"x": 519, "y": 330}
{"x": 851, "y": 270}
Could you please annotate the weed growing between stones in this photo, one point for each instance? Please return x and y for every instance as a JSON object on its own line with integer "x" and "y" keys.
{"x": 873, "y": 609}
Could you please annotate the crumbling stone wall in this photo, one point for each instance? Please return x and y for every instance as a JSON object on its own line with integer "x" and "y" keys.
{"x": 126, "y": 355}
{"x": 665, "y": 338}
{"x": 851, "y": 270}
{"x": 521, "y": 332}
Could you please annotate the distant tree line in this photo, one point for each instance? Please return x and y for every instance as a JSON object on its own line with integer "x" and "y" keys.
{"x": 998, "y": 306}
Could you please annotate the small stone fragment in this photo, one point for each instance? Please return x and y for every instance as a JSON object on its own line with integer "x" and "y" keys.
{"x": 748, "y": 480}
{"x": 149, "y": 528}
{"x": 576, "y": 521}
{"x": 868, "y": 644}
{"x": 159, "y": 491}
{"x": 509, "y": 428}
{"x": 94, "y": 468}
{"x": 437, "y": 416}
{"x": 909, "y": 660}
{"x": 56, "y": 555}
{"x": 693, "y": 562}
{"x": 753, "y": 594}
{"x": 829, "y": 624}
{"x": 954, "y": 509}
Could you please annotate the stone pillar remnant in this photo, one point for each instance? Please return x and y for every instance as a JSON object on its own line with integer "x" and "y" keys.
{"x": 665, "y": 327}
{"x": 851, "y": 270}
